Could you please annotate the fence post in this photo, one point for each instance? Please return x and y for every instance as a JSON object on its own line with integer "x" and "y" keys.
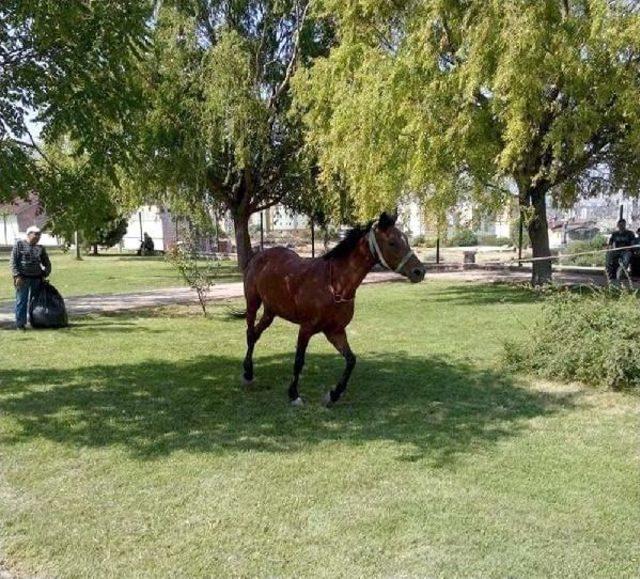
{"x": 261, "y": 230}
{"x": 313, "y": 239}
{"x": 520, "y": 233}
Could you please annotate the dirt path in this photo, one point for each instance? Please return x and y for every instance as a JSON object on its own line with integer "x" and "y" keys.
{"x": 82, "y": 305}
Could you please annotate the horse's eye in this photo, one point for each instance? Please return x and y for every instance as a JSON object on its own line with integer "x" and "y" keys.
{"x": 392, "y": 243}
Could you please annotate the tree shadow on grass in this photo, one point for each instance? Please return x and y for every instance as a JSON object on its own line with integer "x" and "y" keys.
{"x": 478, "y": 294}
{"x": 432, "y": 408}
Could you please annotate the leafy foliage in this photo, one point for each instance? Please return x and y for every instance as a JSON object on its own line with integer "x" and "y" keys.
{"x": 462, "y": 238}
{"x": 494, "y": 240}
{"x": 72, "y": 68}
{"x": 514, "y": 234}
{"x": 78, "y": 196}
{"x": 219, "y": 129}
{"x": 110, "y": 233}
{"x": 593, "y": 339}
{"x": 458, "y": 99}
{"x": 196, "y": 274}
{"x": 595, "y": 259}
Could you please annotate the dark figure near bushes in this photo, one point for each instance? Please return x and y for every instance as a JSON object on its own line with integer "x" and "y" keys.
{"x": 622, "y": 258}
{"x": 147, "y": 246}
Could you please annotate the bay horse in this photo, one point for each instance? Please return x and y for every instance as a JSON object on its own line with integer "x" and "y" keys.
{"x": 318, "y": 294}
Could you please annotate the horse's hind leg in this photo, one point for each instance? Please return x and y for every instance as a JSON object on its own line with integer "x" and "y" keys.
{"x": 253, "y": 304}
{"x": 340, "y": 343}
{"x": 304, "y": 335}
{"x": 253, "y": 335}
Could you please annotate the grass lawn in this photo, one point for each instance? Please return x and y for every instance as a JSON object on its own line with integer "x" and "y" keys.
{"x": 128, "y": 448}
{"x": 108, "y": 274}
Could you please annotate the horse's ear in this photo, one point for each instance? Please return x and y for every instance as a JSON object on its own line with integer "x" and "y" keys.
{"x": 385, "y": 221}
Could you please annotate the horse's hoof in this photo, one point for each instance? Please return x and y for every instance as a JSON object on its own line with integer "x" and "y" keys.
{"x": 246, "y": 381}
{"x": 327, "y": 400}
{"x": 297, "y": 402}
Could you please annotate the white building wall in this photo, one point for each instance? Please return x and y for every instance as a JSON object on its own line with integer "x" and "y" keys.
{"x": 10, "y": 233}
{"x": 148, "y": 219}
{"x": 285, "y": 220}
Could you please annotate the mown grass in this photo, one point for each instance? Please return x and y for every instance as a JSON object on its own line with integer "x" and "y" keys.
{"x": 109, "y": 274}
{"x": 128, "y": 448}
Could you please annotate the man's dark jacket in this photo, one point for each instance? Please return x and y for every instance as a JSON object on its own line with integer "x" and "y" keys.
{"x": 29, "y": 260}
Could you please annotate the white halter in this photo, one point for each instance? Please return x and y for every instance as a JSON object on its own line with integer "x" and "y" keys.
{"x": 375, "y": 251}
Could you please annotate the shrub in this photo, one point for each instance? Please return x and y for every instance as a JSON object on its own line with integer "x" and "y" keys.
{"x": 594, "y": 259}
{"x": 196, "y": 274}
{"x": 433, "y": 241}
{"x": 493, "y": 240}
{"x": 425, "y": 241}
{"x": 514, "y": 234}
{"x": 594, "y": 339}
{"x": 463, "y": 238}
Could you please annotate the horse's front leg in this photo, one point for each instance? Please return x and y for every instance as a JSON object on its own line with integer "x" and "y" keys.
{"x": 339, "y": 341}
{"x": 304, "y": 335}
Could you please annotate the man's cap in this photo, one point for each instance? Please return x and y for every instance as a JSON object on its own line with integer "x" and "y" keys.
{"x": 33, "y": 229}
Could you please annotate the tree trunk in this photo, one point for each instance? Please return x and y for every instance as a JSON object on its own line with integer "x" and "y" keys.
{"x": 243, "y": 242}
{"x": 539, "y": 235}
{"x": 76, "y": 238}
{"x": 95, "y": 249}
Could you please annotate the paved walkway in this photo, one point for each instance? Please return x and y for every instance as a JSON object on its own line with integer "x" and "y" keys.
{"x": 82, "y": 305}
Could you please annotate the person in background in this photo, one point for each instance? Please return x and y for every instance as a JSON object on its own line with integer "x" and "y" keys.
{"x": 147, "y": 246}
{"x": 29, "y": 265}
{"x": 622, "y": 238}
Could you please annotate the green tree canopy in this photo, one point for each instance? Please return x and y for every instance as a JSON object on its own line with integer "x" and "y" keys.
{"x": 72, "y": 67}
{"x": 78, "y": 197}
{"x": 219, "y": 128}
{"x": 451, "y": 97}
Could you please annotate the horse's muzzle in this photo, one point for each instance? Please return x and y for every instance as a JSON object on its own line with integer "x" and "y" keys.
{"x": 417, "y": 274}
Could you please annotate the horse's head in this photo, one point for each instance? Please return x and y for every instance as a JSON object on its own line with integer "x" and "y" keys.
{"x": 391, "y": 247}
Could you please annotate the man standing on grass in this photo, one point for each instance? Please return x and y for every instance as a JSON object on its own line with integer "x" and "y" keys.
{"x": 29, "y": 265}
{"x": 619, "y": 239}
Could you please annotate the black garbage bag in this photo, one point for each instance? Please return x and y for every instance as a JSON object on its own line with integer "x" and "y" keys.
{"x": 47, "y": 309}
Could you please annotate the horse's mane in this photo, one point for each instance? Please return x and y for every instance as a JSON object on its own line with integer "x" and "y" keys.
{"x": 348, "y": 244}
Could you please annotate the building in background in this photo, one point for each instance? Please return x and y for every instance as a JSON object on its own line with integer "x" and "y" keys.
{"x": 590, "y": 217}
{"x": 16, "y": 217}
{"x": 413, "y": 219}
{"x": 155, "y": 220}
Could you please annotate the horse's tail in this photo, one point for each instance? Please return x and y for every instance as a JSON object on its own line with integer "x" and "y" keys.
{"x": 233, "y": 312}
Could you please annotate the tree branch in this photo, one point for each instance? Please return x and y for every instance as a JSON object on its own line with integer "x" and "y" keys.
{"x": 294, "y": 57}
{"x": 267, "y": 204}
{"x": 265, "y": 22}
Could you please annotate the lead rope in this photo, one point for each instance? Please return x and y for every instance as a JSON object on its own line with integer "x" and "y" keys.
{"x": 563, "y": 255}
